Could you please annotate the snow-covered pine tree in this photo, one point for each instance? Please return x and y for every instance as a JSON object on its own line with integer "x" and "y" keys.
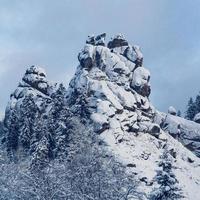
{"x": 28, "y": 112}
{"x": 57, "y": 121}
{"x": 179, "y": 113}
{"x": 197, "y": 104}
{"x": 168, "y": 185}
{"x": 191, "y": 109}
{"x": 42, "y": 144}
{"x": 12, "y": 129}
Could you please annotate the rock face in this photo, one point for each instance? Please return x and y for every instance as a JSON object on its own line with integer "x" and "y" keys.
{"x": 34, "y": 84}
{"x": 98, "y": 40}
{"x": 115, "y": 87}
{"x": 117, "y": 41}
{"x": 186, "y": 131}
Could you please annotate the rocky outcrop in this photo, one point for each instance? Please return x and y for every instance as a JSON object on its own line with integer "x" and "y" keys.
{"x": 98, "y": 40}
{"x": 117, "y": 41}
{"x": 185, "y": 131}
{"x": 28, "y": 111}
{"x": 35, "y": 84}
{"x": 110, "y": 92}
{"x": 114, "y": 85}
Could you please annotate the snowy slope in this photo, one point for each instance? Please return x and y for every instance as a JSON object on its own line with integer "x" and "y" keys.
{"x": 143, "y": 152}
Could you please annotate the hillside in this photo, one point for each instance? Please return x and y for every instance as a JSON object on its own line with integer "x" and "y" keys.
{"x": 109, "y": 98}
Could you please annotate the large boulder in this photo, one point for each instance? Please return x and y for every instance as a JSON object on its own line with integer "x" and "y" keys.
{"x": 117, "y": 41}
{"x": 197, "y": 118}
{"x": 34, "y": 83}
{"x": 172, "y": 110}
{"x": 36, "y": 78}
{"x": 140, "y": 81}
{"x": 134, "y": 54}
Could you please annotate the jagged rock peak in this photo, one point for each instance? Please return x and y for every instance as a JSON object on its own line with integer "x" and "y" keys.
{"x": 117, "y": 41}
{"x": 36, "y": 78}
{"x": 34, "y": 83}
{"x": 123, "y": 60}
{"x": 98, "y": 40}
{"x": 113, "y": 87}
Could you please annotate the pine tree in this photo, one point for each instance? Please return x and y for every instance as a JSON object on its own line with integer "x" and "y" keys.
{"x": 191, "y": 109}
{"x": 27, "y": 116}
{"x": 197, "y": 104}
{"x": 168, "y": 184}
{"x": 42, "y": 144}
{"x": 12, "y": 133}
{"x": 57, "y": 121}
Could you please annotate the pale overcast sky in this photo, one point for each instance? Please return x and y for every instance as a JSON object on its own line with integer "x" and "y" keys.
{"x": 51, "y": 33}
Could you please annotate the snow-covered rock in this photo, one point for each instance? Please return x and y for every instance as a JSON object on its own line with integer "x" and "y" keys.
{"x": 28, "y": 104}
{"x": 172, "y": 110}
{"x": 186, "y": 131}
{"x": 110, "y": 90}
{"x": 113, "y": 86}
{"x": 117, "y": 41}
{"x": 35, "y": 84}
{"x": 197, "y": 118}
{"x": 140, "y": 81}
{"x": 98, "y": 40}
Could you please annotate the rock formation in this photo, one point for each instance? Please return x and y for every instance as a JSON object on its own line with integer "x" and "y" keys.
{"x": 110, "y": 91}
{"x": 114, "y": 85}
